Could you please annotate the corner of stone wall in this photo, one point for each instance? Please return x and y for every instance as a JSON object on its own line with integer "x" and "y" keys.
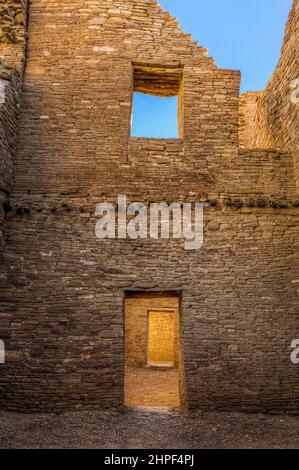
{"x": 247, "y": 111}
{"x": 277, "y": 116}
{"x": 10, "y": 95}
{"x": 13, "y": 14}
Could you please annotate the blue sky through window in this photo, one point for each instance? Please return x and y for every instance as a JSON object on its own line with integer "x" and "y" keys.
{"x": 154, "y": 116}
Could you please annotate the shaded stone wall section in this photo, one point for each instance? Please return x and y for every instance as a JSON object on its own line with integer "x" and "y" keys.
{"x": 10, "y": 83}
{"x": 13, "y": 19}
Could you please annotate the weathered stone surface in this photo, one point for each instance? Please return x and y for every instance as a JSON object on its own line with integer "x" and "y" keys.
{"x": 12, "y": 21}
{"x": 12, "y": 31}
{"x": 10, "y": 80}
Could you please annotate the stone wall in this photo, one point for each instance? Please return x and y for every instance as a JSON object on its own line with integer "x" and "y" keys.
{"x": 11, "y": 91}
{"x": 62, "y": 290}
{"x": 63, "y": 299}
{"x": 13, "y": 19}
{"x": 12, "y": 59}
{"x": 248, "y": 108}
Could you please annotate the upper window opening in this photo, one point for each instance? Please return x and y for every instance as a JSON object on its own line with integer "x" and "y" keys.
{"x": 157, "y": 103}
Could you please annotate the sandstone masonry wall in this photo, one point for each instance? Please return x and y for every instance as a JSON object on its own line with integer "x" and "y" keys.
{"x": 62, "y": 290}
{"x": 10, "y": 80}
{"x": 247, "y": 125}
{"x": 13, "y": 17}
{"x": 12, "y": 57}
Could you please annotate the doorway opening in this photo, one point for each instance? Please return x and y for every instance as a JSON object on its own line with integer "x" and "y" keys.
{"x": 154, "y": 376}
{"x": 160, "y": 338}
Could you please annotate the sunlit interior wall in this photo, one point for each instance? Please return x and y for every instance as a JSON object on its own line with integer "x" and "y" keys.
{"x": 160, "y": 334}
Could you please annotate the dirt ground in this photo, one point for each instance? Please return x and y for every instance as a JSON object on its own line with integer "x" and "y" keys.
{"x": 148, "y": 429}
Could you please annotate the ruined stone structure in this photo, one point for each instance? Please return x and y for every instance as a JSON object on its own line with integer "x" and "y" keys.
{"x": 63, "y": 290}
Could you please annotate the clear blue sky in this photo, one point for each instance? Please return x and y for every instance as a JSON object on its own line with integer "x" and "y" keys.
{"x": 240, "y": 34}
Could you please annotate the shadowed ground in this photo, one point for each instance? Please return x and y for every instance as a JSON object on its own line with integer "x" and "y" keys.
{"x": 145, "y": 429}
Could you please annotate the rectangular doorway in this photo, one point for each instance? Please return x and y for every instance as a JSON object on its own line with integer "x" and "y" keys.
{"x": 154, "y": 375}
{"x": 160, "y": 338}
